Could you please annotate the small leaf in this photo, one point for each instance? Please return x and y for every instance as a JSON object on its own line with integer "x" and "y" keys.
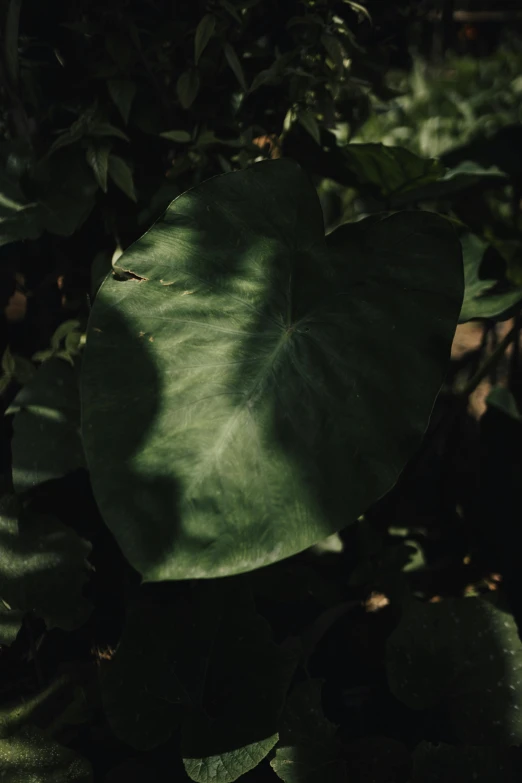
{"x": 46, "y": 442}
{"x": 335, "y": 51}
{"x": 179, "y": 136}
{"x": 97, "y": 156}
{"x": 106, "y": 129}
{"x": 231, "y": 10}
{"x": 358, "y": 8}
{"x": 233, "y": 61}
{"x": 308, "y": 750}
{"x": 121, "y": 175}
{"x": 24, "y": 370}
{"x": 12, "y": 22}
{"x": 122, "y": 92}
{"x": 204, "y": 32}
{"x": 8, "y": 362}
{"x": 504, "y": 400}
{"x": 309, "y": 123}
{"x": 187, "y": 87}
{"x": 62, "y": 331}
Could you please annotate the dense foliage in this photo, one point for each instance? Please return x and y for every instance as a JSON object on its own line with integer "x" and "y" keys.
{"x": 254, "y": 523}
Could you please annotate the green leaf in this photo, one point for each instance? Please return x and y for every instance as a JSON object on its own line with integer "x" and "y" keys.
{"x": 231, "y": 10}
{"x": 482, "y": 297}
{"x": 309, "y": 123}
{"x": 393, "y": 170}
{"x": 121, "y": 174}
{"x": 230, "y": 765}
{"x": 69, "y": 187}
{"x": 453, "y": 181}
{"x": 122, "y": 92}
{"x": 204, "y": 32}
{"x": 504, "y": 400}
{"x": 334, "y": 49}
{"x": 76, "y": 132}
{"x": 30, "y": 755}
{"x": 433, "y": 763}
{"x": 187, "y": 87}
{"x": 97, "y": 156}
{"x": 179, "y": 136}
{"x": 251, "y": 367}
{"x": 46, "y": 441}
{"x": 12, "y": 23}
{"x": 43, "y": 569}
{"x": 308, "y": 750}
{"x": 235, "y": 65}
{"x": 101, "y": 128}
{"x": 204, "y": 662}
{"x": 430, "y": 661}
{"x": 8, "y": 362}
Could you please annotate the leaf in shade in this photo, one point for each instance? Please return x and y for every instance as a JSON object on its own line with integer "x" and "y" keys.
{"x": 122, "y": 92}
{"x": 205, "y": 663}
{"x": 121, "y": 174}
{"x": 482, "y": 297}
{"x": 204, "y": 32}
{"x": 97, "y": 156}
{"x": 46, "y": 441}
{"x": 187, "y": 87}
{"x": 308, "y": 750}
{"x": 235, "y": 65}
{"x": 43, "y": 569}
{"x": 430, "y": 661}
{"x": 30, "y": 756}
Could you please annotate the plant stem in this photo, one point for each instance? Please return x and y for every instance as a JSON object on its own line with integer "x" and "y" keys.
{"x": 489, "y": 363}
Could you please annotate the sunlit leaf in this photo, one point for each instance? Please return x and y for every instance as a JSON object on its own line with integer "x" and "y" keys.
{"x": 237, "y": 384}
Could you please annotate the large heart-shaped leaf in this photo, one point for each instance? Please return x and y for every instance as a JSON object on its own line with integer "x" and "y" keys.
{"x": 250, "y": 386}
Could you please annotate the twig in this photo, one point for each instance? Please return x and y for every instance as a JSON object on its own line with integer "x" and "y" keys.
{"x": 489, "y": 363}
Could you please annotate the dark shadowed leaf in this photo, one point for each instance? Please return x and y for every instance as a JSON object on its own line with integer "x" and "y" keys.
{"x": 504, "y": 400}
{"x": 205, "y": 663}
{"x": 308, "y": 750}
{"x": 309, "y": 123}
{"x": 46, "y": 441}
{"x": 179, "y": 136}
{"x": 235, "y": 65}
{"x": 431, "y": 660}
{"x": 97, "y": 156}
{"x": 43, "y": 569}
{"x": 188, "y": 87}
{"x": 452, "y": 181}
{"x": 121, "y": 174}
{"x": 122, "y": 92}
{"x": 440, "y": 763}
{"x": 29, "y": 756}
{"x": 204, "y": 32}
{"x": 393, "y": 170}
{"x": 253, "y": 386}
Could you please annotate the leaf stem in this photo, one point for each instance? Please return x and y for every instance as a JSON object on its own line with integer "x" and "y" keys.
{"x": 489, "y": 363}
